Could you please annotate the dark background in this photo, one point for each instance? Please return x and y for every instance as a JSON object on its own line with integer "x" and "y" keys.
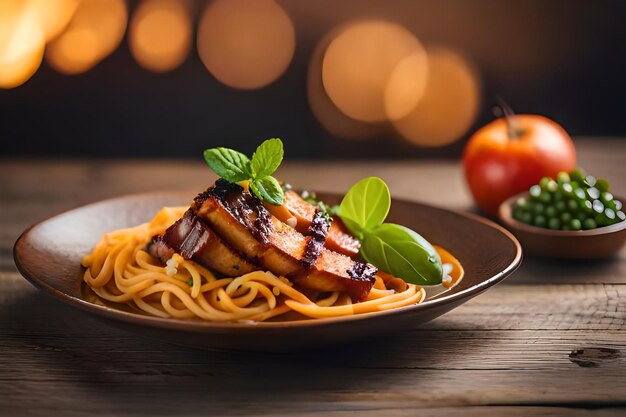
{"x": 561, "y": 58}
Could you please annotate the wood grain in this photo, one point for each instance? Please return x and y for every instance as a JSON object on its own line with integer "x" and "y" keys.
{"x": 521, "y": 359}
{"x": 549, "y": 341}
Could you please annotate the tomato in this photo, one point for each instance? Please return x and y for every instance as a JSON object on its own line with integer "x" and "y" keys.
{"x": 511, "y": 154}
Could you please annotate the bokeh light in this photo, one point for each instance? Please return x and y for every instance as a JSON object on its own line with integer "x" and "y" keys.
{"x": 449, "y": 105}
{"x": 406, "y": 86}
{"x": 93, "y": 34}
{"x": 22, "y": 43}
{"x": 160, "y": 34}
{"x": 246, "y": 44}
{"x": 322, "y": 107}
{"x": 53, "y": 15}
{"x": 359, "y": 65}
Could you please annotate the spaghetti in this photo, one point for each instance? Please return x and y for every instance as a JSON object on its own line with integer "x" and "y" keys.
{"x": 121, "y": 271}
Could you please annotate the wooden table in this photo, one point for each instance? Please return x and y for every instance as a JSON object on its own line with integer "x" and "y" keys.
{"x": 551, "y": 340}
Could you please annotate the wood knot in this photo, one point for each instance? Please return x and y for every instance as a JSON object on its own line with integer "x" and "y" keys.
{"x": 593, "y": 357}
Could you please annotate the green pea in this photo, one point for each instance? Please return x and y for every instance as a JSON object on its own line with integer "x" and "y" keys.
{"x": 566, "y": 217}
{"x": 593, "y": 193}
{"x": 572, "y": 205}
{"x": 534, "y": 191}
{"x": 609, "y": 204}
{"x": 552, "y": 186}
{"x": 581, "y": 215}
{"x": 538, "y": 208}
{"x": 610, "y": 214}
{"x": 560, "y": 206}
{"x": 589, "y": 224}
{"x": 603, "y": 185}
{"x": 557, "y": 195}
{"x": 545, "y": 197}
{"x": 576, "y": 224}
{"x": 566, "y": 188}
{"x": 605, "y": 197}
{"x": 580, "y": 194}
{"x": 598, "y": 207}
{"x": 517, "y": 213}
{"x": 550, "y": 211}
{"x": 543, "y": 183}
{"x": 527, "y": 217}
{"x": 521, "y": 202}
{"x": 562, "y": 177}
{"x": 540, "y": 221}
{"x": 590, "y": 180}
{"x": 577, "y": 175}
{"x": 554, "y": 223}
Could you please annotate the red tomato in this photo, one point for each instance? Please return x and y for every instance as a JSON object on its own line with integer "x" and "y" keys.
{"x": 498, "y": 165}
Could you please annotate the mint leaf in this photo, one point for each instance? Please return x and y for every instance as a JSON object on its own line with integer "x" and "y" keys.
{"x": 267, "y": 158}
{"x": 268, "y": 189}
{"x": 403, "y": 253}
{"x": 229, "y": 164}
{"x": 365, "y": 205}
{"x": 234, "y": 166}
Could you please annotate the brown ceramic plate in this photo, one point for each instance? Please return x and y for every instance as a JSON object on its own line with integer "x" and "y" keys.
{"x": 602, "y": 242}
{"x": 48, "y": 254}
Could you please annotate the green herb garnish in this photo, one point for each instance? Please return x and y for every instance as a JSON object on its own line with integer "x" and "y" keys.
{"x": 365, "y": 206}
{"x": 234, "y": 166}
{"x": 395, "y": 249}
{"x": 327, "y": 210}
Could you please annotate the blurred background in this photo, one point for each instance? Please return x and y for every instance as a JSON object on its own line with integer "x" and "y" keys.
{"x": 333, "y": 79}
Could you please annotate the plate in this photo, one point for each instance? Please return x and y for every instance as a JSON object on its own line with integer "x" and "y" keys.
{"x": 48, "y": 254}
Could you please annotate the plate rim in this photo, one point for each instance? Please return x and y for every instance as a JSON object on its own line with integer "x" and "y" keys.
{"x": 202, "y": 326}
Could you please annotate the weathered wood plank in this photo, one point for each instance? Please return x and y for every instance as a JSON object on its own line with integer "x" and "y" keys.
{"x": 488, "y": 352}
{"x": 473, "y": 412}
{"x": 204, "y": 407}
{"x": 551, "y": 340}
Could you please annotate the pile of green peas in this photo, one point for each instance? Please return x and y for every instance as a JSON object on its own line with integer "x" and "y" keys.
{"x": 574, "y": 201}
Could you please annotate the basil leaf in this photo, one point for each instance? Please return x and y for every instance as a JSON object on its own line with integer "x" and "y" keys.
{"x": 268, "y": 189}
{"x": 403, "y": 253}
{"x": 365, "y": 205}
{"x": 229, "y": 164}
{"x": 267, "y": 158}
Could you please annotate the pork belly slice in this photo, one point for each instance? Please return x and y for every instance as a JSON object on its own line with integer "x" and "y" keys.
{"x": 159, "y": 249}
{"x": 242, "y": 221}
{"x": 338, "y": 238}
{"x": 318, "y": 231}
{"x": 193, "y": 239}
{"x": 301, "y": 209}
{"x": 358, "y": 276}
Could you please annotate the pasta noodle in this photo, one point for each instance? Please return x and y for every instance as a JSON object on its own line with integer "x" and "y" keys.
{"x": 121, "y": 271}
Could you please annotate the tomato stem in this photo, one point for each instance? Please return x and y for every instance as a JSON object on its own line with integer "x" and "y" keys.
{"x": 514, "y": 131}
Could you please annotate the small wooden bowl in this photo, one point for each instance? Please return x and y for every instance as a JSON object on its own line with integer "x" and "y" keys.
{"x": 602, "y": 242}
